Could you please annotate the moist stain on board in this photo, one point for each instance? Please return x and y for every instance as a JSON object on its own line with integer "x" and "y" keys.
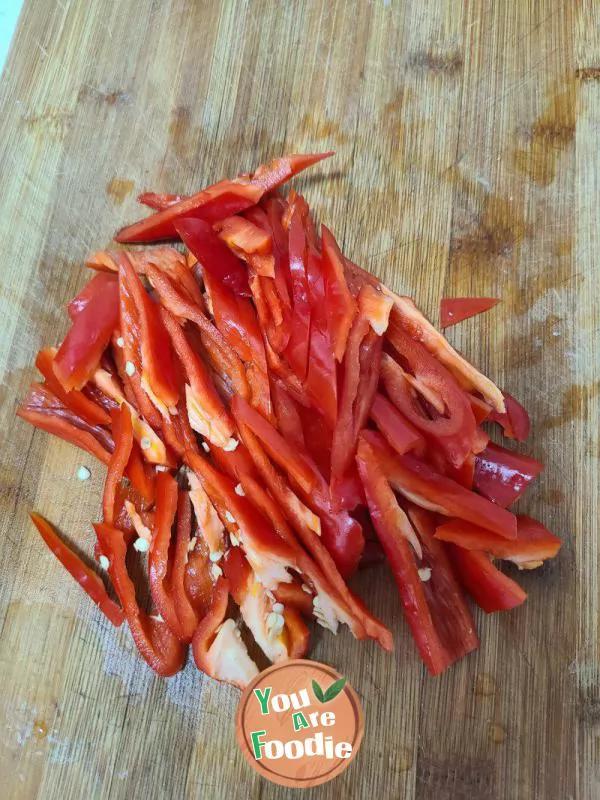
{"x": 118, "y": 189}
{"x": 454, "y": 780}
{"x": 588, "y": 73}
{"x": 575, "y": 405}
{"x": 323, "y": 129}
{"x": 549, "y": 135}
{"x": 539, "y": 339}
{"x": 449, "y": 63}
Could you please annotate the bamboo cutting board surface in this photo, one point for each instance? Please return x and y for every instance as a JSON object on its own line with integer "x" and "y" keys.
{"x": 467, "y": 138}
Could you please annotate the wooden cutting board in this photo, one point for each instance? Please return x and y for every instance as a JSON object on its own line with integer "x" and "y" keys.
{"x": 467, "y": 138}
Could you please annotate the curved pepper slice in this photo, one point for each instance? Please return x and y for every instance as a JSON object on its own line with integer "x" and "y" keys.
{"x": 278, "y": 448}
{"x": 158, "y": 372}
{"x": 188, "y": 613}
{"x": 158, "y": 646}
{"x": 42, "y": 410}
{"x": 159, "y": 566}
{"x": 81, "y": 405}
{"x": 457, "y": 309}
{"x": 419, "y": 483}
{"x": 502, "y": 475}
{"x": 220, "y": 200}
{"x": 141, "y": 475}
{"x": 249, "y": 242}
{"x": 491, "y": 589}
{"x": 515, "y": 422}
{"x": 93, "y": 287}
{"x": 158, "y": 201}
{"x": 123, "y": 433}
{"x": 205, "y": 409}
{"x": 296, "y": 351}
{"x": 295, "y": 596}
{"x": 80, "y": 353}
{"x": 90, "y": 582}
{"x": 533, "y": 545}
{"x": 341, "y": 307}
{"x": 217, "y": 644}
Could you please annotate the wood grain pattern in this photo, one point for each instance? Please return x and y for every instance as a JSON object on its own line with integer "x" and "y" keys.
{"x": 467, "y": 138}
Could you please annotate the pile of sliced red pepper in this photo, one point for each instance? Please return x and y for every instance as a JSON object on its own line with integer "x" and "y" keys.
{"x": 271, "y": 418}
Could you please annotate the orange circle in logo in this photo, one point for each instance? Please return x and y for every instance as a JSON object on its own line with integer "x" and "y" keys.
{"x": 299, "y": 723}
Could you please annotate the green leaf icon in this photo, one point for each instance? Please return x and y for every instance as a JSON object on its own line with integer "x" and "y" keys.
{"x": 318, "y": 692}
{"x": 335, "y": 688}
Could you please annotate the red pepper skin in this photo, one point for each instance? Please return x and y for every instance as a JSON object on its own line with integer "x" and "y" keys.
{"x": 213, "y": 255}
{"x": 341, "y": 307}
{"x": 80, "y": 353}
{"x": 123, "y": 433}
{"x": 158, "y": 202}
{"x": 397, "y": 430}
{"x": 453, "y": 434}
{"x": 213, "y": 341}
{"x": 386, "y": 513}
{"x": 236, "y": 319}
{"x": 81, "y": 405}
{"x": 515, "y": 421}
{"x": 158, "y": 646}
{"x": 534, "y": 543}
{"x": 287, "y": 416}
{"x": 155, "y": 346}
{"x": 279, "y": 450}
{"x": 206, "y": 630}
{"x": 296, "y": 633}
{"x": 491, "y": 589}
{"x": 321, "y": 377}
{"x": 296, "y": 352}
{"x": 419, "y": 483}
{"x": 347, "y": 492}
{"x": 141, "y": 475}
{"x": 90, "y": 582}
{"x": 187, "y": 613}
{"x": 158, "y": 557}
{"x": 481, "y": 410}
{"x": 42, "y": 410}
{"x": 502, "y": 476}
{"x": 91, "y": 289}
{"x": 218, "y": 201}
{"x": 457, "y": 309}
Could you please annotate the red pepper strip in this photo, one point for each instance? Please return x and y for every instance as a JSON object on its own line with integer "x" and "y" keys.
{"x": 159, "y": 648}
{"x": 260, "y": 393}
{"x": 491, "y": 589}
{"x": 159, "y": 567}
{"x": 454, "y": 433}
{"x": 390, "y": 523}
{"x": 321, "y": 378}
{"x": 481, "y": 410}
{"x": 341, "y": 308}
{"x": 296, "y": 351}
{"x": 186, "y": 612}
{"x": 93, "y": 287}
{"x": 220, "y": 200}
{"x": 276, "y": 446}
{"x": 278, "y": 316}
{"x": 293, "y": 595}
{"x": 204, "y": 406}
{"x": 212, "y": 204}
{"x": 213, "y": 255}
{"x": 123, "y": 434}
{"x": 128, "y": 358}
{"x": 322, "y": 572}
{"x": 397, "y": 430}
{"x": 515, "y": 422}
{"x": 89, "y": 336}
{"x": 270, "y": 222}
{"x": 90, "y": 582}
{"x": 502, "y": 476}
{"x": 342, "y": 451}
{"x": 141, "y": 475}
{"x": 288, "y": 419}
{"x": 445, "y": 597}
{"x": 272, "y": 175}
{"x": 235, "y": 318}
{"x": 245, "y": 239}
{"x": 465, "y": 475}
{"x": 318, "y": 438}
{"x": 457, "y": 309}
{"x": 78, "y": 403}
{"x": 534, "y": 543}
{"x": 42, "y": 410}
{"x": 173, "y": 301}
{"x": 421, "y": 485}
{"x": 158, "y": 371}
{"x": 158, "y": 202}
{"x": 407, "y": 317}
